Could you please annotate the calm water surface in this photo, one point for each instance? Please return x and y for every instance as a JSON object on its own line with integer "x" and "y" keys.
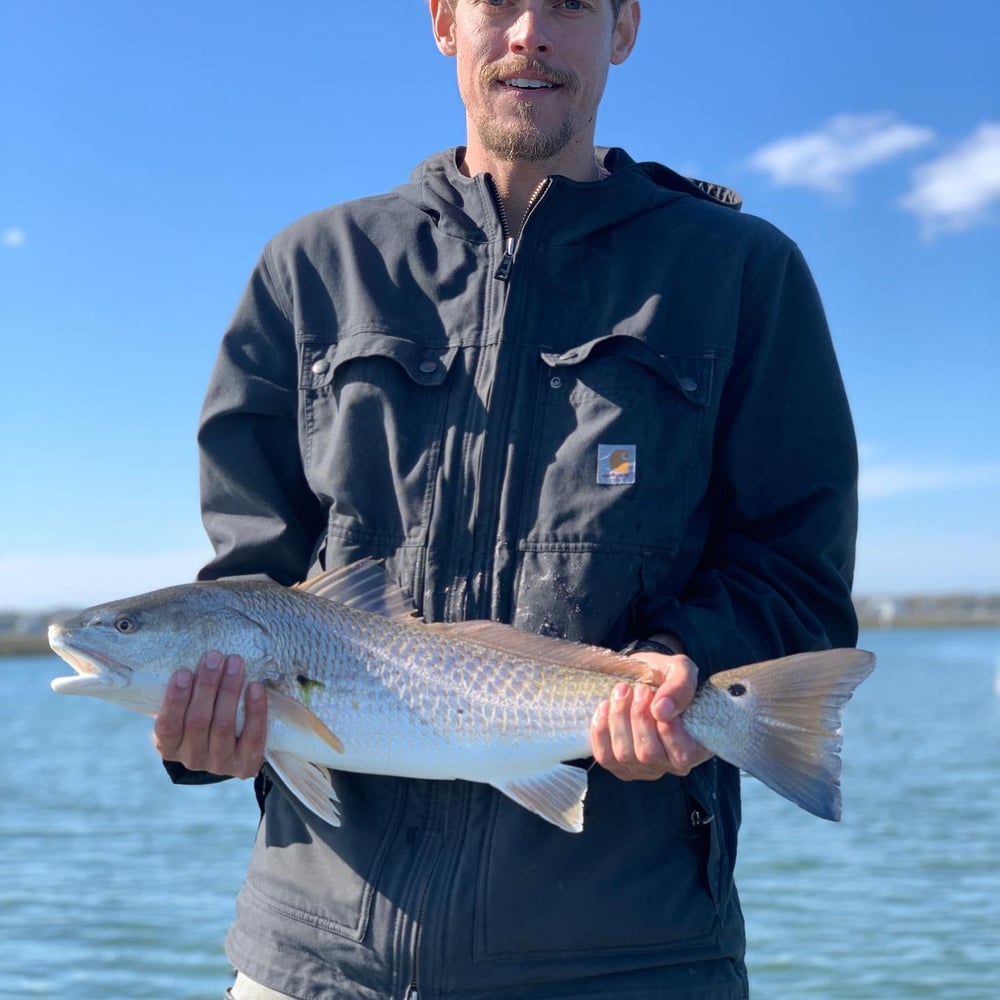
{"x": 116, "y": 886}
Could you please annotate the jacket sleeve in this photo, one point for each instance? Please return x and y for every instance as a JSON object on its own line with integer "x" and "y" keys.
{"x": 776, "y": 572}
{"x": 259, "y": 512}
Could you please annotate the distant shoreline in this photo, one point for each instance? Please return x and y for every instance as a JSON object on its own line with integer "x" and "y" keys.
{"x": 35, "y": 644}
{"x": 23, "y": 644}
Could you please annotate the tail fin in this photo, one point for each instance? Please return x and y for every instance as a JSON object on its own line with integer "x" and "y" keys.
{"x": 794, "y": 713}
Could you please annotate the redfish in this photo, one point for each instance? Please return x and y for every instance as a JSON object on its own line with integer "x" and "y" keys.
{"x": 357, "y": 683}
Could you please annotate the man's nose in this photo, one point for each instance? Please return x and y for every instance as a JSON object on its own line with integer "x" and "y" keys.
{"x": 527, "y": 35}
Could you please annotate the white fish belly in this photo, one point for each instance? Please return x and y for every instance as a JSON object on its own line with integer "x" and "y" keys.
{"x": 401, "y": 744}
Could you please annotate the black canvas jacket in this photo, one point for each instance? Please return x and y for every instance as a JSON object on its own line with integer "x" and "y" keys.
{"x": 632, "y": 423}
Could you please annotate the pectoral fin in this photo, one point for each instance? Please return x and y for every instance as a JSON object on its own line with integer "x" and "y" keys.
{"x": 556, "y": 795}
{"x": 309, "y": 783}
{"x": 296, "y": 715}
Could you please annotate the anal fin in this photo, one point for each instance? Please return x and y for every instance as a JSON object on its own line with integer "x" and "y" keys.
{"x": 309, "y": 783}
{"x": 556, "y": 795}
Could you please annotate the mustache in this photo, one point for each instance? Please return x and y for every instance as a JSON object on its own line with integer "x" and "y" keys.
{"x": 522, "y": 67}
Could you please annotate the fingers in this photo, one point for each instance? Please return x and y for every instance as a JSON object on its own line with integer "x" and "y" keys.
{"x": 228, "y": 679}
{"x": 201, "y": 712}
{"x": 168, "y": 731}
{"x": 197, "y": 724}
{"x": 637, "y": 734}
{"x": 250, "y": 746}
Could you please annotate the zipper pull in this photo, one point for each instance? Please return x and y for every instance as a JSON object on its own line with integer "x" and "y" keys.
{"x": 507, "y": 262}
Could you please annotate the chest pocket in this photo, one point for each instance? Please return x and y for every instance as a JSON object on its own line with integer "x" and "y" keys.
{"x": 371, "y": 418}
{"x": 623, "y": 445}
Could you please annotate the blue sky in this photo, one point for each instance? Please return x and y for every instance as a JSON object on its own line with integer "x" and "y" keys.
{"x": 148, "y": 151}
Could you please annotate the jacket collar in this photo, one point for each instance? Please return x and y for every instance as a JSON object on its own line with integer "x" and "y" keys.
{"x": 464, "y": 207}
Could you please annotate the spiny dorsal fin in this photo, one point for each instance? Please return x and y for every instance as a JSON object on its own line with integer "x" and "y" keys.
{"x": 362, "y": 585}
{"x": 509, "y": 641}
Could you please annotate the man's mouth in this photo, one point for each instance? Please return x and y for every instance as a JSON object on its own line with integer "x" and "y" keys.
{"x": 528, "y": 75}
{"x": 520, "y": 83}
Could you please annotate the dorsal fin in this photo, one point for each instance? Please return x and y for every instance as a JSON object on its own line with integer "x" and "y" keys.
{"x": 362, "y": 585}
{"x": 506, "y": 639}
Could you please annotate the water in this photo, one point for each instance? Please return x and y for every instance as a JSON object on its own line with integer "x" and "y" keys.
{"x": 114, "y": 885}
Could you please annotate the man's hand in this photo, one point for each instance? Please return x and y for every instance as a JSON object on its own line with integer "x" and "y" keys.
{"x": 636, "y": 734}
{"x": 196, "y": 724}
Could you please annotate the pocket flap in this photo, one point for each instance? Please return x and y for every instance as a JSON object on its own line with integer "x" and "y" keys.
{"x": 691, "y": 377}
{"x": 425, "y": 364}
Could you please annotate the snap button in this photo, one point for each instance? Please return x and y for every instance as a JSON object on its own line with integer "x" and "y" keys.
{"x": 428, "y": 367}
{"x": 689, "y": 384}
{"x": 555, "y": 382}
{"x": 320, "y": 367}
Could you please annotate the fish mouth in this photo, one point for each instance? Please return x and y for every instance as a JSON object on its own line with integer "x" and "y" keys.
{"x": 93, "y": 669}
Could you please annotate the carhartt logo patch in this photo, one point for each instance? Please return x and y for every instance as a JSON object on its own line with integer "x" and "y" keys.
{"x": 615, "y": 464}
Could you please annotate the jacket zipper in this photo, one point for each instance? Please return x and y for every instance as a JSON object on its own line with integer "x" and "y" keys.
{"x": 498, "y": 412}
{"x": 509, "y": 240}
{"x": 413, "y": 989}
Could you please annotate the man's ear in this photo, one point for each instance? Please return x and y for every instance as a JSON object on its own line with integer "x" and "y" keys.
{"x": 443, "y": 21}
{"x": 626, "y": 32}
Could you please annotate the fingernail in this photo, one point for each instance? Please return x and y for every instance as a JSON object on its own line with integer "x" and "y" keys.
{"x": 182, "y": 680}
{"x": 213, "y": 660}
{"x": 233, "y": 665}
{"x": 621, "y": 691}
{"x": 664, "y": 709}
{"x": 255, "y": 691}
{"x": 642, "y": 695}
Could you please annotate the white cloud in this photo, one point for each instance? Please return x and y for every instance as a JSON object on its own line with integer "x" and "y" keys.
{"x": 958, "y": 189}
{"x": 825, "y": 159}
{"x": 893, "y": 479}
{"x": 13, "y": 238}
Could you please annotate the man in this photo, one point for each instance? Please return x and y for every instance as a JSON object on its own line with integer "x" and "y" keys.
{"x": 548, "y": 386}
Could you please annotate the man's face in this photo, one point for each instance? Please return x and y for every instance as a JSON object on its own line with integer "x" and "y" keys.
{"x": 531, "y": 72}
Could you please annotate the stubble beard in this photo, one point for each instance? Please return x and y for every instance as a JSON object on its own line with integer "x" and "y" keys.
{"x": 523, "y": 140}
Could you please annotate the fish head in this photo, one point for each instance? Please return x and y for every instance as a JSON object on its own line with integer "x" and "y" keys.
{"x": 126, "y": 651}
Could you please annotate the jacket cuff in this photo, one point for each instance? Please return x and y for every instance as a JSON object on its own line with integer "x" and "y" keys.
{"x": 180, "y": 775}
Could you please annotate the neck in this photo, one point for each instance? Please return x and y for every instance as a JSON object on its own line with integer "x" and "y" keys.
{"x": 517, "y": 180}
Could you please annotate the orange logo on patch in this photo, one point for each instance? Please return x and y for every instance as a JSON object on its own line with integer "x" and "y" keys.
{"x": 616, "y": 464}
{"x": 620, "y": 461}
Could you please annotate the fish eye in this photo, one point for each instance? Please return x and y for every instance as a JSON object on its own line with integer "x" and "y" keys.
{"x": 125, "y": 625}
{"x": 737, "y": 690}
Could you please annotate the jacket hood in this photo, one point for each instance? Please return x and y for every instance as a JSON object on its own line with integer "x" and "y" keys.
{"x": 464, "y": 207}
